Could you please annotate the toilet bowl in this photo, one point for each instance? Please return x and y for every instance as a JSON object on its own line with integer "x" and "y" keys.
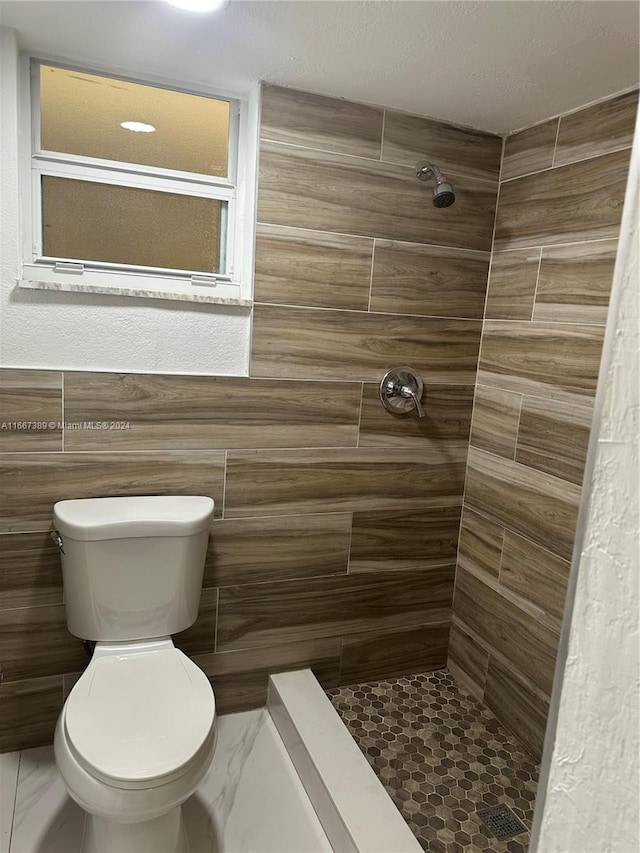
{"x": 135, "y": 737}
{"x": 137, "y": 732}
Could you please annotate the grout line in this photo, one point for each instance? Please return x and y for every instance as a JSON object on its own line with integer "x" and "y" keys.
{"x": 489, "y": 270}
{"x": 326, "y": 151}
{"x": 518, "y": 533}
{"x": 362, "y": 311}
{"x": 515, "y": 446}
{"x": 15, "y": 800}
{"x": 489, "y": 182}
{"x": 535, "y": 290}
{"x": 349, "y": 548}
{"x": 477, "y": 371}
{"x": 501, "y": 556}
{"x": 552, "y": 323}
{"x": 373, "y": 253}
{"x": 556, "y": 245}
{"x": 493, "y": 239}
{"x": 62, "y": 407}
{"x": 360, "y": 415}
{"x": 588, "y": 403}
{"x": 384, "y": 122}
{"x": 285, "y": 448}
{"x": 224, "y": 482}
{"x": 518, "y": 599}
{"x": 568, "y": 163}
{"x": 461, "y": 249}
{"x": 564, "y": 482}
{"x": 555, "y": 145}
{"x": 489, "y": 648}
{"x": 215, "y": 633}
{"x": 278, "y": 227}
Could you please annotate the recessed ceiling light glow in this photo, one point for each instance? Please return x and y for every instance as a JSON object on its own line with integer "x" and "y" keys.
{"x": 137, "y": 126}
{"x": 198, "y": 5}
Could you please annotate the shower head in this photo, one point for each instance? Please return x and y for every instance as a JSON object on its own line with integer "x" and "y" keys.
{"x": 443, "y": 194}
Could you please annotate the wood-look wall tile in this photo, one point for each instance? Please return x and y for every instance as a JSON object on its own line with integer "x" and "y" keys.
{"x": 308, "y": 343}
{"x": 447, "y": 416}
{"x": 36, "y": 643}
{"x": 467, "y": 661}
{"x": 393, "y": 654}
{"x": 350, "y": 195}
{"x": 554, "y": 437}
{"x": 558, "y": 361}
{"x": 291, "y": 611}
{"x": 529, "y": 150}
{"x": 206, "y": 412}
{"x": 240, "y": 679}
{"x": 535, "y": 574}
{"x": 315, "y": 121}
{"x": 363, "y": 480}
{"x": 410, "y": 278}
{"x": 557, "y": 206}
{"x": 536, "y": 505}
{"x": 30, "y": 397}
{"x": 262, "y": 550}
{"x": 30, "y": 570}
{"x": 201, "y": 636}
{"x": 495, "y": 421}
{"x": 519, "y": 708}
{"x": 38, "y": 480}
{"x": 313, "y": 268}
{"x": 409, "y": 138}
{"x": 480, "y": 547}
{"x": 512, "y": 284}
{"x": 512, "y": 633}
{"x": 597, "y": 130}
{"x": 385, "y": 541}
{"x": 574, "y": 284}
{"x": 29, "y": 711}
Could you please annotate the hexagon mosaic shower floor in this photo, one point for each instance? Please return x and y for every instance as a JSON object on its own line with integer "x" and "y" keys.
{"x": 442, "y": 757}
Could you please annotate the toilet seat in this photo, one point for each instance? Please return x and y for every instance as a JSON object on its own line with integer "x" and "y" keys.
{"x": 141, "y": 719}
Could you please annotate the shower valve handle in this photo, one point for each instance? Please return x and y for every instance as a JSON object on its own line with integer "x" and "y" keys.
{"x": 408, "y": 391}
{"x": 401, "y": 391}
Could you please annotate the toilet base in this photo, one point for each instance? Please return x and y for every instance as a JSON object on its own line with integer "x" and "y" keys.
{"x": 164, "y": 834}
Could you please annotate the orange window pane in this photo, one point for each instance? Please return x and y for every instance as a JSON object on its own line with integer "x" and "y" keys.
{"x": 83, "y": 114}
{"x": 88, "y": 221}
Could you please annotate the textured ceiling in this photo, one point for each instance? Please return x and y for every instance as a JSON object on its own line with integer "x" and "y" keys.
{"x": 497, "y": 66}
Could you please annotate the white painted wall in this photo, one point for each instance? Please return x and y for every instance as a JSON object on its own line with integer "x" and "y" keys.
{"x": 45, "y": 329}
{"x": 589, "y": 796}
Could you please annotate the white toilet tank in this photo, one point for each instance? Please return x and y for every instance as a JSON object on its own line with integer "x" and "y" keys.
{"x": 132, "y": 567}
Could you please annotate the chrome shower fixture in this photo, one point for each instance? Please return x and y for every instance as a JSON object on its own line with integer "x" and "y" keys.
{"x": 443, "y": 194}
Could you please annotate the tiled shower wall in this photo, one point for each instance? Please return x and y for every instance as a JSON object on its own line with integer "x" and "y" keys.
{"x": 559, "y": 208}
{"x": 336, "y": 528}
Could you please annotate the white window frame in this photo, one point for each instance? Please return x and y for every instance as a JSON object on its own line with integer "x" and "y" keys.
{"x": 234, "y": 285}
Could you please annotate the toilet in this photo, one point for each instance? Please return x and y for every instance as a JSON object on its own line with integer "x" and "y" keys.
{"x": 137, "y": 733}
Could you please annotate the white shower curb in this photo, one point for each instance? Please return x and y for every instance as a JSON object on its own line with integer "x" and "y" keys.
{"x": 356, "y": 813}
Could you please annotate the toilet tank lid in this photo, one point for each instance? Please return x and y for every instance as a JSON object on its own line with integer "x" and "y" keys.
{"x": 91, "y": 519}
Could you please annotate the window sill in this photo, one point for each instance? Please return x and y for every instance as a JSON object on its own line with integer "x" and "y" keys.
{"x": 195, "y": 294}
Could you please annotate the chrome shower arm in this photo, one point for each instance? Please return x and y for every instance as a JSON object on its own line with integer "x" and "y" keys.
{"x": 425, "y": 170}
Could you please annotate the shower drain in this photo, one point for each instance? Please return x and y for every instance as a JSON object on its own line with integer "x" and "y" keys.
{"x": 501, "y": 821}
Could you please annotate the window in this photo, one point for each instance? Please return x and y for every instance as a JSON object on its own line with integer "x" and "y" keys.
{"x": 136, "y": 186}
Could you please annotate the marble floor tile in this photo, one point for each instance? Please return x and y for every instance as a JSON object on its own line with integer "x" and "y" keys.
{"x": 251, "y": 800}
{"x": 46, "y": 819}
